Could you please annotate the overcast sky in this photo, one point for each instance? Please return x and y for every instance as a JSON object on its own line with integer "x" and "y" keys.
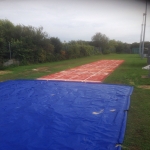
{"x": 80, "y": 19}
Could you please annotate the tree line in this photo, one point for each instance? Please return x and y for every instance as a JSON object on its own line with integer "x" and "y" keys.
{"x": 28, "y": 44}
{"x": 32, "y": 45}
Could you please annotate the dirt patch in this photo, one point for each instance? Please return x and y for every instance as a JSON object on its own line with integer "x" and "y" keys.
{"x": 144, "y": 86}
{"x": 58, "y": 66}
{"x": 145, "y": 77}
{"x": 134, "y": 148}
{"x": 5, "y": 72}
{"x": 132, "y": 83}
{"x": 46, "y": 69}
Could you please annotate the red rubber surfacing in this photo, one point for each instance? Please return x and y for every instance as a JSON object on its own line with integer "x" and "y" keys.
{"x": 92, "y": 72}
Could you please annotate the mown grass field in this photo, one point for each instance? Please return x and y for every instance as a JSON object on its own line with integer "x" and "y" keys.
{"x": 129, "y": 73}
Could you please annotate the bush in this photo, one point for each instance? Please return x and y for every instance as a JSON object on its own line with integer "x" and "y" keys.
{"x": 106, "y": 52}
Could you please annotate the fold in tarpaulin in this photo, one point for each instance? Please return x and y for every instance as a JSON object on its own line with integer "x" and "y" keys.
{"x": 52, "y": 115}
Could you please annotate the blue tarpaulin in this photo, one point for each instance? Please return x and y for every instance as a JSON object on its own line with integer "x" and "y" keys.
{"x": 53, "y": 115}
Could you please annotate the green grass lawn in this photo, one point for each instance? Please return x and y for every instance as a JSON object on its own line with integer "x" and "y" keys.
{"x": 129, "y": 73}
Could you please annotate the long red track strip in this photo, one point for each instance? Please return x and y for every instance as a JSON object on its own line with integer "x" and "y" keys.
{"x": 92, "y": 72}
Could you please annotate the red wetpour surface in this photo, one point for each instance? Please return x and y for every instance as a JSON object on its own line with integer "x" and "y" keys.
{"x": 92, "y": 72}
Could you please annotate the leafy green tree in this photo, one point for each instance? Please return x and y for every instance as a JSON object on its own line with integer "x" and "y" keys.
{"x": 6, "y": 33}
{"x": 135, "y": 45}
{"x": 119, "y": 47}
{"x": 57, "y": 44}
{"x": 101, "y": 41}
{"x": 112, "y": 46}
{"x": 123, "y": 47}
{"x": 127, "y": 48}
{"x": 146, "y": 44}
{"x": 6, "y": 29}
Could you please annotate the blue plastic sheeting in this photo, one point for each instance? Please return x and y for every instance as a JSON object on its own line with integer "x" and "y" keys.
{"x": 52, "y": 115}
